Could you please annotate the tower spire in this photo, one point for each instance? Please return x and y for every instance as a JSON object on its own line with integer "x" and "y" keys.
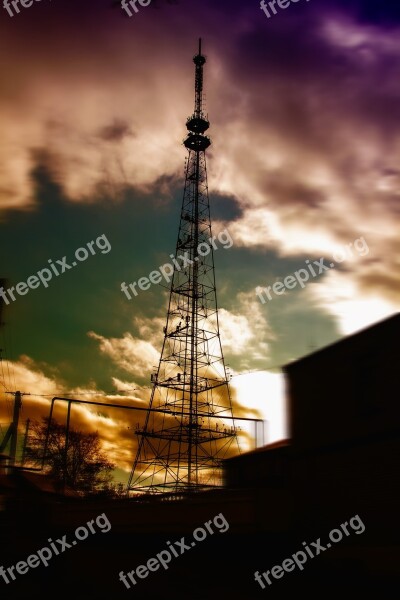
{"x": 184, "y": 437}
{"x": 199, "y": 61}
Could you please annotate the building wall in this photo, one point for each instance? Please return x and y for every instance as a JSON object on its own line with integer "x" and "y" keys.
{"x": 346, "y": 391}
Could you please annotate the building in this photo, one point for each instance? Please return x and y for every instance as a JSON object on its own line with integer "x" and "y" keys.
{"x": 343, "y": 456}
{"x": 345, "y": 426}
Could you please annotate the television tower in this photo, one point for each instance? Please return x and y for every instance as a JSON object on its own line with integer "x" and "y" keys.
{"x": 185, "y": 436}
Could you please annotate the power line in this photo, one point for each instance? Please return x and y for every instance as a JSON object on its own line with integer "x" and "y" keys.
{"x": 99, "y": 393}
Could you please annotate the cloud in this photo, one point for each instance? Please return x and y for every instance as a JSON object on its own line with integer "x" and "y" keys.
{"x": 114, "y": 426}
{"x": 311, "y": 161}
{"x": 235, "y": 330}
{"x": 26, "y": 375}
{"x": 245, "y": 333}
{"x": 134, "y": 355}
{"x": 131, "y": 390}
{"x": 310, "y": 111}
{"x": 116, "y": 131}
{"x": 351, "y": 305}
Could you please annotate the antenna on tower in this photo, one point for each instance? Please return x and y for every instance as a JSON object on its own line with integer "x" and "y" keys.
{"x": 186, "y": 435}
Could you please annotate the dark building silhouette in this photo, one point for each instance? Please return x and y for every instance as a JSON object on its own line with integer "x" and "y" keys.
{"x": 343, "y": 456}
{"x": 345, "y": 425}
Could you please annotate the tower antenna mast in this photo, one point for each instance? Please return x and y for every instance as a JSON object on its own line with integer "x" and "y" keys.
{"x": 182, "y": 450}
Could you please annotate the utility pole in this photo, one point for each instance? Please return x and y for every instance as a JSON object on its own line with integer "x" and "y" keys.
{"x": 14, "y": 434}
{"x": 12, "y": 431}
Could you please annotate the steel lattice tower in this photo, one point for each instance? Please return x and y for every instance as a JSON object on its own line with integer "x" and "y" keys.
{"x": 184, "y": 437}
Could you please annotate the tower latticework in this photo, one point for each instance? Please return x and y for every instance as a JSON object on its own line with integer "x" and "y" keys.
{"x": 189, "y": 427}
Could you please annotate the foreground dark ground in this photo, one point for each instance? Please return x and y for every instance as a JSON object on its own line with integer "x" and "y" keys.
{"x": 221, "y": 566}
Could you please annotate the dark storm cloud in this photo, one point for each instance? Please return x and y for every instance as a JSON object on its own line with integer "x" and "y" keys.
{"x": 115, "y": 131}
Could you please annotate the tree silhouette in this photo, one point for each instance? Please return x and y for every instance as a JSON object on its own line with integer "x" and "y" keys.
{"x": 83, "y": 467}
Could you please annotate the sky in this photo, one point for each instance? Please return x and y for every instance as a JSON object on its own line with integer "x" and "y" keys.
{"x": 304, "y": 109}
